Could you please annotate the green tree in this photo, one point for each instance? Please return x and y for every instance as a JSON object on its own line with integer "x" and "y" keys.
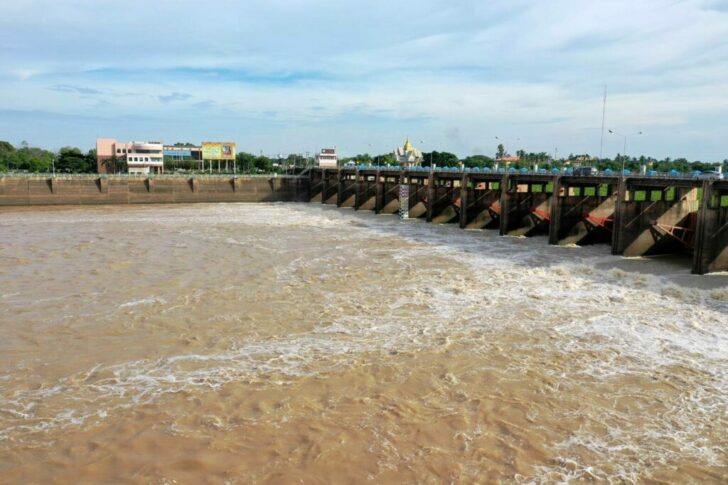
{"x": 31, "y": 159}
{"x": 6, "y": 155}
{"x": 501, "y": 151}
{"x": 72, "y": 160}
{"x": 481, "y": 161}
{"x": 440, "y": 159}
{"x": 386, "y": 159}
{"x": 91, "y": 160}
{"x": 360, "y": 159}
{"x": 263, "y": 164}
{"x": 245, "y": 161}
{"x": 296, "y": 160}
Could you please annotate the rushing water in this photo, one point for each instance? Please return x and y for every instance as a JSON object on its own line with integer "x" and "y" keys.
{"x": 237, "y": 343}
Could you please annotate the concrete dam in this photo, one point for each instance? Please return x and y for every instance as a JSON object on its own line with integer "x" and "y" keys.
{"x": 637, "y": 216}
{"x": 159, "y": 189}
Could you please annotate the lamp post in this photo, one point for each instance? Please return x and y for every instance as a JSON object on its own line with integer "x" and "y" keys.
{"x": 422, "y": 143}
{"x": 624, "y": 148}
{"x": 505, "y": 146}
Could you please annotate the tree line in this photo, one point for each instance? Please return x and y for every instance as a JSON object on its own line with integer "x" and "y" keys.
{"x": 37, "y": 160}
{"x": 72, "y": 160}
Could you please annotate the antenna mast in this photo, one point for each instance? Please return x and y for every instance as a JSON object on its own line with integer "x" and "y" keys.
{"x": 604, "y": 113}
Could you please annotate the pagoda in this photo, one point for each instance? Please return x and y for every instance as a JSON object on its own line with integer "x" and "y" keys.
{"x": 408, "y": 155}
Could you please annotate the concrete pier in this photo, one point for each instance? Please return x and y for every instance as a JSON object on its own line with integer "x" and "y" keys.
{"x": 657, "y": 216}
{"x": 481, "y": 203}
{"x": 329, "y": 186}
{"x": 444, "y": 197}
{"x": 365, "y": 196}
{"x": 583, "y": 210}
{"x": 637, "y": 216}
{"x": 711, "y": 241}
{"x": 526, "y": 204}
{"x": 347, "y": 189}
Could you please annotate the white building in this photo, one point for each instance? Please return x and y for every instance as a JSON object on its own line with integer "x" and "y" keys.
{"x": 327, "y": 158}
{"x": 145, "y": 157}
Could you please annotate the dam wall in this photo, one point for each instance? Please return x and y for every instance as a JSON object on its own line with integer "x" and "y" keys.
{"x": 27, "y": 190}
{"x": 636, "y": 215}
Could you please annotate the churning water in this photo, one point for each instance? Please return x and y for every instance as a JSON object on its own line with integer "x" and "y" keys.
{"x": 275, "y": 343}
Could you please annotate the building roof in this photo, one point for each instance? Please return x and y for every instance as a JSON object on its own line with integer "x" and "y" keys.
{"x": 408, "y": 146}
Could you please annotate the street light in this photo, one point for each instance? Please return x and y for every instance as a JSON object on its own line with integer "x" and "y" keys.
{"x": 422, "y": 143}
{"x": 624, "y": 149}
{"x": 505, "y": 147}
{"x": 503, "y": 142}
{"x": 376, "y": 157}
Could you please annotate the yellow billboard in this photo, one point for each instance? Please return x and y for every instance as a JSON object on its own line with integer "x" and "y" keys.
{"x": 216, "y": 150}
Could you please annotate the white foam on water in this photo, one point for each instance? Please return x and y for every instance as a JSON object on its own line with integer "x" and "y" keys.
{"x": 143, "y": 301}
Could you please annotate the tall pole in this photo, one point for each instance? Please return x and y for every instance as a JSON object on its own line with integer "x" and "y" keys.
{"x": 624, "y": 146}
{"x": 604, "y": 114}
{"x": 505, "y": 145}
{"x": 422, "y": 144}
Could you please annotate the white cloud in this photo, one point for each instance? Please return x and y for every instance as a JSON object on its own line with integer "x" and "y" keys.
{"x": 347, "y": 73}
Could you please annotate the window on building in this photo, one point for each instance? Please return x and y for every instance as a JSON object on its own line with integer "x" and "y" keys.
{"x": 118, "y": 150}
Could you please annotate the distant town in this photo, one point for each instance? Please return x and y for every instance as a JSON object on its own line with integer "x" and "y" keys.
{"x": 155, "y": 157}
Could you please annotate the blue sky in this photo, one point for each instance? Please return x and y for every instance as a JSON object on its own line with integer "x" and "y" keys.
{"x": 284, "y": 76}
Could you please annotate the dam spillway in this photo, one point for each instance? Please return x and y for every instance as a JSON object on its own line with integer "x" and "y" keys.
{"x": 637, "y": 216}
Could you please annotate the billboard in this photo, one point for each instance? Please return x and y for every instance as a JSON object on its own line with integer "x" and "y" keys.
{"x": 215, "y": 150}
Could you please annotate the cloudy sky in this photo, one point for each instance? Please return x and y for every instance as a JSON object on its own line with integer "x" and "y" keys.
{"x": 286, "y": 76}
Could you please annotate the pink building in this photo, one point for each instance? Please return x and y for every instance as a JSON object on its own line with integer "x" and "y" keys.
{"x": 140, "y": 157}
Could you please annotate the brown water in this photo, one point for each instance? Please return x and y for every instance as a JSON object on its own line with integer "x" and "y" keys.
{"x": 237, "y": 343}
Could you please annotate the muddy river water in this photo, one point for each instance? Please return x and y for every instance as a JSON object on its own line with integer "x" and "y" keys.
{"x": 296, "y": 343}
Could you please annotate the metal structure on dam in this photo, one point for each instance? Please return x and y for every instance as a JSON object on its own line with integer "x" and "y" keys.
{"x": 636, "y": 215}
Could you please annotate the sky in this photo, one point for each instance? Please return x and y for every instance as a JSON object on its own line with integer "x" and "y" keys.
{"x": 285, "y": 76}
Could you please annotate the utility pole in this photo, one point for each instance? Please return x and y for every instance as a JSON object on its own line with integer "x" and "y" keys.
{"x": 604, "y": 114}
{"x": 624, "y": 148}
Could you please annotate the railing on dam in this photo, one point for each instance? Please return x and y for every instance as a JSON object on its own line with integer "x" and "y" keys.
{"x": 137, "y": 176}
{"x": 673, "y": 174}
{"x": 639, "y": 215}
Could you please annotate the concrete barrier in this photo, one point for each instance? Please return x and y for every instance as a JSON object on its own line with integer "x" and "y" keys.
{"x": 20, "y": 190}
